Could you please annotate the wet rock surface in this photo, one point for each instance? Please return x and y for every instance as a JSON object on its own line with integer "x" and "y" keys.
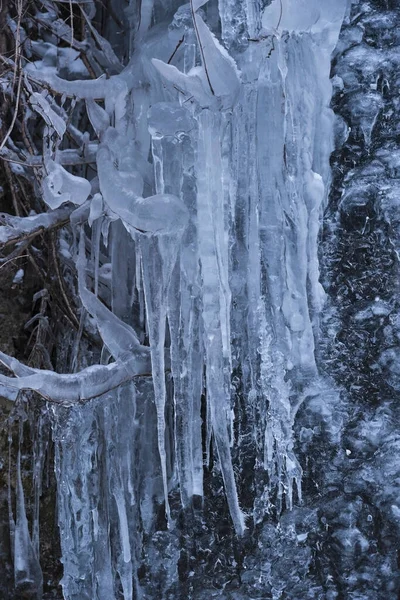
{"x": 360, "y": 326}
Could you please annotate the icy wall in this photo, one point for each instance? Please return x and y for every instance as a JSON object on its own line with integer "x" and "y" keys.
{"x": 199, "y": 269}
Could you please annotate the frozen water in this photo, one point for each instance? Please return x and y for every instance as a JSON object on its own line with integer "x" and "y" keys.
{"x": 212, "y": 172}
{"x": 217, "y": 79}
{"x": 98, "y": 117}
{"x": 220, "y": 68}
{"x": 60, "y": 186}
{"x": 73, "y": 388}
{"x": 27, "y": 571}
{"x": 169, "y": 119}
{"x": 304, "y": 15}
{"x": 42, "y": 106}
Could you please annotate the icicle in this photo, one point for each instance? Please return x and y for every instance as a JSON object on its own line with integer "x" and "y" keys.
{"x": 216, "y": 298}
{"x": 158, "y": 260}
{"x": 245, "y": 264}
{"x": 27, "y": 572}
{"x": 77, "y": 342}
{"x": 189, "y": 59}
{"x": 183, "y": 412}
{"x": 119, "y": 337}
{"x": 120, "y": 427}
{"x": 86, "y": 556}
{"x": 123, "y": 527}
{"x": 189, "y": 373}
{"x": 364, "y": 110}
{"x": 96, "y": 253}
{"x": 169, "y": 126}
{"x": 156, "y": 150}
{"x": 11, "y": 521}
{"x": 39, "y": 434}
{"x": 122, "y": 272}
{"x": 190, "y": 313}
{"x": 186, "y": 364}
{"x": 208, "y": 433}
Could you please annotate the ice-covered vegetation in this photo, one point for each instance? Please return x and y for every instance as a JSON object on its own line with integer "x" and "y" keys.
{"x": 185, "y": 164}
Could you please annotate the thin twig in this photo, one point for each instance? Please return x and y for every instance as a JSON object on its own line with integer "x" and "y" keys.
{"x": 176, "y": 49}
{"x": 16, "y": 252}
{"x": 60, "y": 281}
{"x": 12, "y": 259}
{"x": 87, "y": 64}
{"x": 10, "y": 180}
{"x": 71, "y": 13}
{"x": 17, "y": 41}
{"x": 78, "y": 46}
{"x": 15, "y": 111}
{"x": 17, "y": 162}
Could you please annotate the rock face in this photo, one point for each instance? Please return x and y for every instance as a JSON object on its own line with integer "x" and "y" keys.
{"x": 292, "y": 427}
{"x": 361, "y": 273}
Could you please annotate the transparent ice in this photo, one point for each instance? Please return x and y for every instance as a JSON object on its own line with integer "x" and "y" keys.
{"x": 212, "y": 161}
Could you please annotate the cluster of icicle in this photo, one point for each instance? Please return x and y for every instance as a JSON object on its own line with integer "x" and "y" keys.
{"x": 211, "y": 248}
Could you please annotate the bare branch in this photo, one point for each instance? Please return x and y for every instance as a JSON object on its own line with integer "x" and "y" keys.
{"x": 71, "y": 13}
{"x": 14, "y": 114}
{"x": 60, "y": 281}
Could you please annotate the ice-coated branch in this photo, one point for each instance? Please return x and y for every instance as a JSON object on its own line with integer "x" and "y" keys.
{"x": 73, "y": 388}
{"x": 43, "y": 108}
{"x": 60, "y": 186}
{"x": 97, "y": 89}
{"x": 16, "y": 229}
{"x": 113, "y": 90}
{"x": 220, "y": 68}
{"x": 132, "y": 359}
{"x": 68, "y": 157}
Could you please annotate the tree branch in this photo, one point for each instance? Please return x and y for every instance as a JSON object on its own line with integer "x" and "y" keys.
{"x": 73, "y": 388}
{"x": 16, "y": 229}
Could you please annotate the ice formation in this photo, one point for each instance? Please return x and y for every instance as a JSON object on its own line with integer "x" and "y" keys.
{"x": 213, "y": 252}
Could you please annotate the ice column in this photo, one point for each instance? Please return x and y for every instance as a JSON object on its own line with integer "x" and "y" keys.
{"x": 171, "y": 127}
{"x": 214, "y": 258}
{"x": 282, "y": 139}
{"x": 294, "y": 136}
{"x": 27, "y": 571}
